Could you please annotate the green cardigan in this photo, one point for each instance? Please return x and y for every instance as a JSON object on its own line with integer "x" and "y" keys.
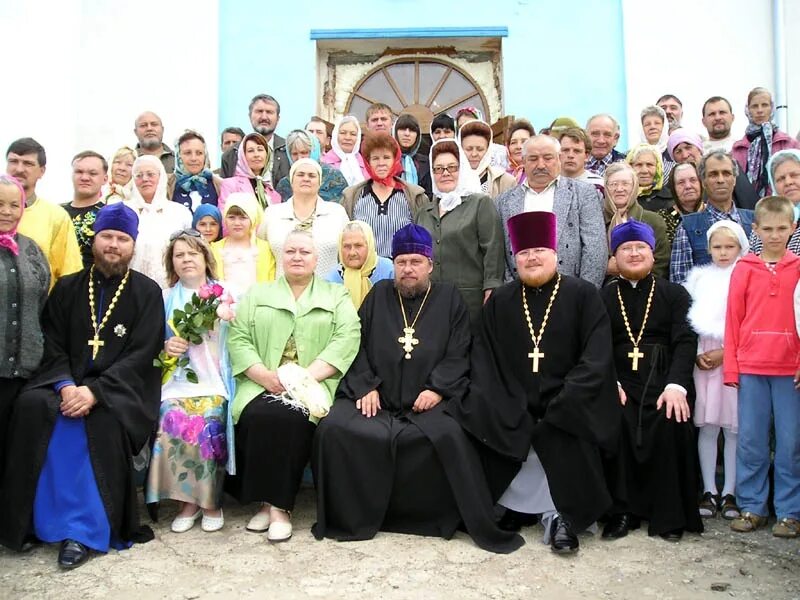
{"x": 323, "y": 321}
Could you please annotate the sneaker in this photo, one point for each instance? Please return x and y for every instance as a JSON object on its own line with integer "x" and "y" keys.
{"x": 786, "y": 528}
{"x": 747, "y": 522}
{"x": 728, "y": 508}
{"x": 708, "y": 505}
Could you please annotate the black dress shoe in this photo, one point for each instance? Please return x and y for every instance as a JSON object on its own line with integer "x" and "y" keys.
{"x": 562, "y": 539}
{"x": 619, "y": 525}
{"x": 72, "y": 554}
{"x": 672, "y": 536}
{"x": 514, "y": 521}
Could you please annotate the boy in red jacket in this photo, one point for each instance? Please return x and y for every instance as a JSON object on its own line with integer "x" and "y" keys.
{"x": 762, "y": 355}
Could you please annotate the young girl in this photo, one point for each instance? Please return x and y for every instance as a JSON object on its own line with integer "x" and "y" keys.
{"x": 716, "y": 404}
{"x": 242, "y": 260}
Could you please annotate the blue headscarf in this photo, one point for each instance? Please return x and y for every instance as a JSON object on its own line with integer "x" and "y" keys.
{"x": 307, "y": 139}
{"x": 207, "y": 210}
{"x": 188, "y": 182}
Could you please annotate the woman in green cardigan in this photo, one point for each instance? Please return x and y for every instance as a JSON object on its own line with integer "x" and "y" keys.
{"x": 299, "y": 319}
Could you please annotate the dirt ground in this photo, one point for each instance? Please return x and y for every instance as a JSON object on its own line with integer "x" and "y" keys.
{"x": 236, "y": 564}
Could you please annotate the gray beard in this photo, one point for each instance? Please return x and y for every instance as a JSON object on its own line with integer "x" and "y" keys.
{"x": 265, "y": 131}
{"x": 150, "y": 143}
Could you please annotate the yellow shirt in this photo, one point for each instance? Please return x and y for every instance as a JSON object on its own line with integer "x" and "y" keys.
{"x": 50, "y": 227}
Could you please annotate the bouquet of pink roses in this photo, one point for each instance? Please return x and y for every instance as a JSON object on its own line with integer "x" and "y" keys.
{"x": 208, "y": 305}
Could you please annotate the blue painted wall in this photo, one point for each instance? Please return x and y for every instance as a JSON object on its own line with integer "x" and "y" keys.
{"x": 559, "y": 59}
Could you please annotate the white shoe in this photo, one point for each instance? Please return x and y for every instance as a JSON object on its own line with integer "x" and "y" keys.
{"x": 259, "y": 523}
{"x": 279, "y": 531}
{"x": 184, "y": 524}
{"x": 212, "y": 523}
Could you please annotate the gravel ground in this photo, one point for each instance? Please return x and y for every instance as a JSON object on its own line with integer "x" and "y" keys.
{"x": 236, "y": 564}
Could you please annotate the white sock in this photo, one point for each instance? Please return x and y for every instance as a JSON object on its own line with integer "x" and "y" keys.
{"x": 729, "y": 458}
{"x": 707, "y": 449}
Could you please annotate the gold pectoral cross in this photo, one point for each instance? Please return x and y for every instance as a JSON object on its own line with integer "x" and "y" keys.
{"x": 635, "y": 356}
{"x": 408, "y": 340}
{"x": 95, "y": 343}
{"x": 535, "y": 355}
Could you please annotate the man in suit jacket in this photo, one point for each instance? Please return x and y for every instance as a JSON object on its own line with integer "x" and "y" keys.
{"x": 582, "y": 247}
{"x": 265, "y": 112}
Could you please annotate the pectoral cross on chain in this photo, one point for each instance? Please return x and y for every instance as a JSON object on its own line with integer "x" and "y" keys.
{"x": 408, "y": 340}
{"x": 95, "y": 343}
{"x": 535, "y": 355}
{"x": 635, "y": 356}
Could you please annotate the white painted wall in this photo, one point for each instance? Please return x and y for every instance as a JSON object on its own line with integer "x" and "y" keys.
{"x": 78, "y": 72}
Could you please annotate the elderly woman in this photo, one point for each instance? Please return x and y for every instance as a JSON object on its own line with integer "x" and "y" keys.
{"x": 687, "y": 190}
{"x": 193, "y": 183}
{"x": 520, "y": 132}
{"x": 469, "y": 250}
{"x": 300, "y": 319}
{"x": 475, "y": 138}
{"x": 384, "y": 201}
{"x": 190, "y": 451}
{"x": 300, "y": 144}
{"x": 655, "y": 132}
{"x": 646, "y": 161}
{"x": 620, "y": 205}
{"x": 253, "y": 175}
{"x": 497, "y": 152}
{"x": 208, "y": 221}
{"x": 784, "y": 177}
{"x": 120, "y": 176}
{"x": 359, "y": 264}
{"x": 158, "y": 217}
{"x": 24, "y": 283}
{"x": 761, "y": 140}
{"x": 345, "y": 153}
{"x": 306, "y": 210}
{"x": 416, "y": 169}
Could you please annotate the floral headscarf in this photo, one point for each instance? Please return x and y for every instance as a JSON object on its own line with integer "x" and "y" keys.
{"x": 244, "y": 170}
{"x": 658, "y": 178}
{"x": 185, "y": 180}
{"x": 8, "y": 239}
{"x": 349, "y": 167}
{"x": 357, "y": 280}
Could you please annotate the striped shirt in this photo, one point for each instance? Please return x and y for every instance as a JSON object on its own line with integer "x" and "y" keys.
{"x": 385, "y": 218}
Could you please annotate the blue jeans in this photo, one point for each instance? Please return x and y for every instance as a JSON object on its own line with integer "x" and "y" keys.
{"x": 762, "y": 398}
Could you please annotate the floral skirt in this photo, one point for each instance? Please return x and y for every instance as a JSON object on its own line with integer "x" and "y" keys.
{"x": 190, "y": 452}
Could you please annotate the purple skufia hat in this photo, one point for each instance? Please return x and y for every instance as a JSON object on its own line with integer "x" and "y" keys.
{"x": 632, "y": 231}
{"x": 117, "y": 217}
{"x": 412, "y": 239}
{"x": 535, "y": 229}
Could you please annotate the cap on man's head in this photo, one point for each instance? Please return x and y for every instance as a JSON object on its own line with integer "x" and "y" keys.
{"x": 535, "y": 229}
{"x": 632, "y": 231}
{"x": 681, "y": 135}
{"x": 412, "y": 239}
{"x": 561, "y": 124}
{"x": 117, "y": 217}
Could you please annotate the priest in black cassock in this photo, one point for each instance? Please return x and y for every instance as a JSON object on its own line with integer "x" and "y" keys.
{"x": 387, "y": 457}
{"x": 655, "y": 474}
{"x": 543, "y": 401}
{"x": 90, "y": 408}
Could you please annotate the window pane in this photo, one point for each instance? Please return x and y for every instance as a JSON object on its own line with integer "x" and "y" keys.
{"x": 403, "y": 76}
{"x": 430, "y": 74}
{"x": 358, "y": 108}
{"x": 473, "y": 101}
{"x": 378, "y": 89}
{"x": 456, "y": 86}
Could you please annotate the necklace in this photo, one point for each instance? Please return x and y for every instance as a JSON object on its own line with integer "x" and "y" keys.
{"x": 408, "y": 341}
{"x": 636, "y": 354}
{"x": 536, "y": 354}
{"x": 96, "y": 342}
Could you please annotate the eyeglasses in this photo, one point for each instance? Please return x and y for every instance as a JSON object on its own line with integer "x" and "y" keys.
{"x": 146, "y": 175}
{"x": 619, "y": 185}
{"x": 190, "y": 232}
{"x": 452, "y": 169}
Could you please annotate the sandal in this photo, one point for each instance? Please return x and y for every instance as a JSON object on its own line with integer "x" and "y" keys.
{"x": 747, "y": 522}
{"x": 728, "y": 508}
{"x": 786, "y": 528}
{"x": 708, "y": 505}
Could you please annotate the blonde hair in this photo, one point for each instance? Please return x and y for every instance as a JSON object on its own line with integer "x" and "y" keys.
{"x": 775, "y": 205}
{"x": 726, "y": 231}
{"x": 195, "y": 243}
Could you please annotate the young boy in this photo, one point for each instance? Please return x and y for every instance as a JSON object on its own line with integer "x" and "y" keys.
{"x": 762, "y": 355}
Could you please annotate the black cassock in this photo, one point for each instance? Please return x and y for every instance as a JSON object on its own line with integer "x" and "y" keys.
{"x": 655, "y": 474}
{"x": 568, "y": 411}
{"x": 403, "y": 471}
{"x": 124, "y": 382}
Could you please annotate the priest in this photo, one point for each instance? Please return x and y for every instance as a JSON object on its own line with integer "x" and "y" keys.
{"x": 388, "y": 457}
{"x": 655, "y": 473}
{"x": 76, "y": 426}
{"x": 542, "y": 403}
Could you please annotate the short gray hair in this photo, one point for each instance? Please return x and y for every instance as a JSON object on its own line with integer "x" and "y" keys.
{"x": 652, "y": 111}
{"x": 542, "y": 136}
{"x": 604, "y": 115}
{"x": 717, "y": 154}
{"x": 780, "y": 158}
{"x": 298, "y": 135}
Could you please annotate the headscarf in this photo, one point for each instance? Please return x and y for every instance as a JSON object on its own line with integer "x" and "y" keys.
{"x": 160, "y": 197}
{"x": 349, "y": 166}
{"x": 468, "y": 110}
{"x": 483, "y": 165}
{"x": 409, "y": 168}
{"x": 658, "y": 178}
{"x": 244, "y": 170}
{"x": 760, "y": 149}
{"x": 357, "y": 280}
{"x": 450, "y": 200}
{"x": 185, "y": 180}
{"x": 741, "y": 236}
{"x": 248, "y": 203}
{"x": 123, "y": 192}
{"x": 8, "y": 239}
{"x": 397, "y": 168}
{"x": 661, "y": 144}
{"x": 207, "y": 210}
{"x": 308, "y": 162}
{"x": 310, "y": 141}
{"x": 680, "y": 136}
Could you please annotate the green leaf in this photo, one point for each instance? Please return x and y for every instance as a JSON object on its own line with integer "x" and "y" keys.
{"x": 173, "y": 467}
{"x": 189, "y": 464}
{"x": 171, "y": 453}
{"x": 191, "y": 377}
{"x": 182, "y": 476}
{"x": 198, "y": 472}
{"x": 157, "y": 363}
{"x": 177, "y": 315}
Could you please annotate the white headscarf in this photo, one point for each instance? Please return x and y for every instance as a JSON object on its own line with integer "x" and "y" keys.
{"x": 661, "y": 144}
{"x": 467, "y": 182}
{"x": 473, "y": 181}
{"x": 349, "y": 167}
{"x": 135, "y": 201}
{"x": 744, "y": 244}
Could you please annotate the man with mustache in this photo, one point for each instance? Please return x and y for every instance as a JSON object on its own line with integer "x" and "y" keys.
{"x": 718, "y": 118}
{"x": 579, "y": 216}
{"x": 265, "y": 112}
{"x": 671, "y": 105}
{"x": 91, "y": 407}
{"x": 603, "y": 131}
{"x": 149, "y": 130}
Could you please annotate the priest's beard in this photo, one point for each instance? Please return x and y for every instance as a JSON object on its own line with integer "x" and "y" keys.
{"x": 412, "y": 290}
{"x": 538, "y": 279}
{"x": 111, "y": 267}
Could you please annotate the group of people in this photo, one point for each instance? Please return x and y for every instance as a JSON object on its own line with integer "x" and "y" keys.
{"x": 482, "y": 336}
